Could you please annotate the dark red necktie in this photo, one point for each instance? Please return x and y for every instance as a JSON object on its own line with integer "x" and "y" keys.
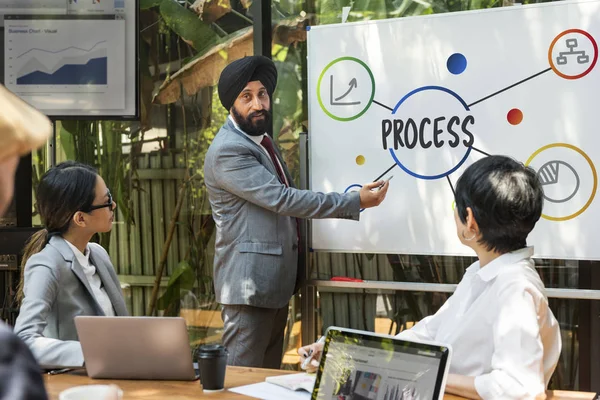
{"x": 268, "y": 145}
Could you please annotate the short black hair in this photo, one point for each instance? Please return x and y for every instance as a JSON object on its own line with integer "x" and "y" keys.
{"x": 506, "y": 198}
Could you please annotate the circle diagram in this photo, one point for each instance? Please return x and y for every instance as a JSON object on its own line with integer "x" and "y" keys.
{"x": 346, "y": 88}
{"x": 569, "y": 179}
{"x": 443, "y": 133}
{"x": 573, "y": 54}
{"x": 549, "y": 176}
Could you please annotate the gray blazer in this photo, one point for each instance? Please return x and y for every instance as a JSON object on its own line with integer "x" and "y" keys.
{"x": 256, "y": 249}
{"x": 56, "y": 291}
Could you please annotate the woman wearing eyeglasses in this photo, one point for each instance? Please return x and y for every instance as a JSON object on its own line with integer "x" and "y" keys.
{"x": 63, "y": 274}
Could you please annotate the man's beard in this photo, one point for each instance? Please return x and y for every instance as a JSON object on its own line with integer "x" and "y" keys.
{"x": 249, "y": 125}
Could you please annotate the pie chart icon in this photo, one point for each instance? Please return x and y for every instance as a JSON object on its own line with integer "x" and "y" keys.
{"x": 560, "y": 181}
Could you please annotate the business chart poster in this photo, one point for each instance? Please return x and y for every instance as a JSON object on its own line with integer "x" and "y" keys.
{"x": 62, "y": 63}
{"x": 422, "y": 98}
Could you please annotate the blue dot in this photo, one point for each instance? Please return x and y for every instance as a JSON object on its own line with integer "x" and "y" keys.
{"x": 457, "y": 63}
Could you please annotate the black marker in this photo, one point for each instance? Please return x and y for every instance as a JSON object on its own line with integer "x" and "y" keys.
{"x": 387, "y": 180}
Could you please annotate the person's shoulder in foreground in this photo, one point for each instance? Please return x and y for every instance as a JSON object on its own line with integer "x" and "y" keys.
{"x": 20, "y": 375}
{"x": 22, "y": 127}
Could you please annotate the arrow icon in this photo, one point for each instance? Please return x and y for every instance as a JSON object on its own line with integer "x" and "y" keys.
{"x": 351, "y": 85}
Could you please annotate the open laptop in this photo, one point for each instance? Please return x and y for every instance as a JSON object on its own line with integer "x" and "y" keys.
{"x": 358, "y": 365}
{"x": 135, "y": 348}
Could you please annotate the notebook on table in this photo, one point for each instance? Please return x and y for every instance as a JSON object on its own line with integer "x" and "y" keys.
{"x": 361, "y": 365}
{"x": 294, "y": 382}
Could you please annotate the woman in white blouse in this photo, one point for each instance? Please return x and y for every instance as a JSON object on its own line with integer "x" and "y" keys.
{"x": 63, "y": 275}
{"x": 505, "y": 340}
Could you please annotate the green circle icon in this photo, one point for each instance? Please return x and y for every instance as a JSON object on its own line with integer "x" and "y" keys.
{"x": 329, "y": 113}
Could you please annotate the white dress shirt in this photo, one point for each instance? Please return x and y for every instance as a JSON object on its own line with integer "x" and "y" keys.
{"x": 93, "y": 279}
{"x": 258, "y": 140}
{"x": 500, "y": 328}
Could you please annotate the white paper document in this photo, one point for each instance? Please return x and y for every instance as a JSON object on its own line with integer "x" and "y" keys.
{"x": 268, "y": 391}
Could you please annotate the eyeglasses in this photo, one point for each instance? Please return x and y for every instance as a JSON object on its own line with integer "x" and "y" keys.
{"x": 109, "y": 204}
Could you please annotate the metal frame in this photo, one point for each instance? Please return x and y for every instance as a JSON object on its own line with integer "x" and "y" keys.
{"x": 138, "y": 106}
{"x": 580, "y": 294}
{"x": 308, "y": 294}
{"x": 261, "y": 13}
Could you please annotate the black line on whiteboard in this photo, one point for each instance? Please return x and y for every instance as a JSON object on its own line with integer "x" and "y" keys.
{"x": 382, "y": 105}
{"x": 480, "y": 151}
{"x": 509, "y": 87}
{"x": 451, "y": 187}
{"x": 386, "y": 171}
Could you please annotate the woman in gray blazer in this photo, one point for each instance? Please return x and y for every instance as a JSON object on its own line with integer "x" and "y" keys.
{"x": 63, "y": 274}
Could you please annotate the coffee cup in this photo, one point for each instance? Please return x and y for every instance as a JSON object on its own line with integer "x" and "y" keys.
{"x": 212, "y": 362}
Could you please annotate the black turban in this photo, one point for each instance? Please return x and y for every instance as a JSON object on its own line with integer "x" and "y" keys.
{"x": 236, "y": 76}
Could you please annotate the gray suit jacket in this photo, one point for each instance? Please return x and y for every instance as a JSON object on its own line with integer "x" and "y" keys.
{"x": 256, "y": 250}
{"x": 56, "y": 291}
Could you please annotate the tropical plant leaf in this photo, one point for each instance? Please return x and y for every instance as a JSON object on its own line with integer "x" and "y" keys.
{"x": 66, "y": 139}
{"x": 211, "y": 10}
{"x": 146, "y": 86}
{"x": 187, "y": 25}
{"x": 182, "y": 279}
{"x": 146, "y": 4}
{"x": 286, "y": 34}
{"x": 204, "y": 69}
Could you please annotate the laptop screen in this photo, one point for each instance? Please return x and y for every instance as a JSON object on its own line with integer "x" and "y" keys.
{"x": 363, "y": 366}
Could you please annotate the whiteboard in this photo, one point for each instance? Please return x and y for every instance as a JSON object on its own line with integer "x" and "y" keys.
{"x": 422, "y": 98}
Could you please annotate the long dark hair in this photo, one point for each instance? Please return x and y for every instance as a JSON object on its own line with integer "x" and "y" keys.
{"x": 63, "y": 190}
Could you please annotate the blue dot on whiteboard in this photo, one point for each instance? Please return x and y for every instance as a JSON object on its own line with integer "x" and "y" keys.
{"x": 456, "y": 64}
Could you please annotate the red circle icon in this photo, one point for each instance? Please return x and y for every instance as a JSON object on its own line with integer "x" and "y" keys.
{"x": 514, "y": 116}
{"x": 571, "y": 44}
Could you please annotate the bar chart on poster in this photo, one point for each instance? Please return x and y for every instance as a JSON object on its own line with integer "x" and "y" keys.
{"x": 60, "y": 63}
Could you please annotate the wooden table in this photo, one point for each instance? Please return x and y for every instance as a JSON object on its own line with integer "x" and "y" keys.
{"x": 235, "y": 376}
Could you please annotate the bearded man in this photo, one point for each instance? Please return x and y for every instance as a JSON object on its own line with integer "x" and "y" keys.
{"x": 255, "y": 207}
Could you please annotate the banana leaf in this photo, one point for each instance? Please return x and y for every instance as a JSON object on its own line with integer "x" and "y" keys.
{"x": 187, "y": 25}
{"x": 205, "y": 68}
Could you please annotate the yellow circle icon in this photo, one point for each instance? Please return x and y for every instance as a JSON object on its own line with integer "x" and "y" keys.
{"x": 360, "y": 159}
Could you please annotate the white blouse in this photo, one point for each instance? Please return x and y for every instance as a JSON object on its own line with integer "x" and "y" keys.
{"x": 93, "y": 279}
{"x": 500, "y": 328}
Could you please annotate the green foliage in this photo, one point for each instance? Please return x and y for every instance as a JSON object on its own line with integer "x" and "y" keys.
{"x": 187, "y": 25}
{"x": 147, "y": 4}
{"x": 181, "y": 281}
{"x": 99, "y": 144}
{"x": 198, "y": 216}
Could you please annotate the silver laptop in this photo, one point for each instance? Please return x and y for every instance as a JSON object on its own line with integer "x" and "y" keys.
{"x": 361, "y": 365}
{"x": 135, "y": 348}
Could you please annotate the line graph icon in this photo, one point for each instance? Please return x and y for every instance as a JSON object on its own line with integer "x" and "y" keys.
{"x": 76, "y": 65}
{"x": 62, "y": 50}
{"x": 336, "y": 102}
